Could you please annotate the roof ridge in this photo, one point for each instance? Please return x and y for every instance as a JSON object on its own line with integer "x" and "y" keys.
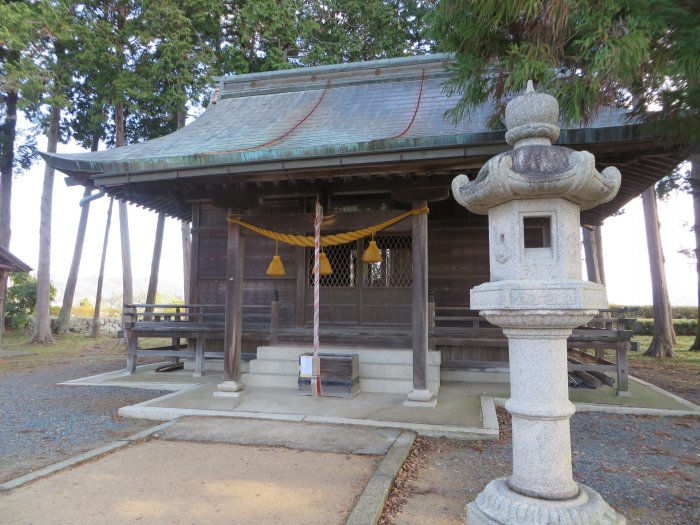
{"x": 347, "y": 66}
{"x": 316, "y": 77}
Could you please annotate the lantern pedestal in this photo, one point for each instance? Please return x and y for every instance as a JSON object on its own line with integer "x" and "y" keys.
{"x": 499, "y": 505}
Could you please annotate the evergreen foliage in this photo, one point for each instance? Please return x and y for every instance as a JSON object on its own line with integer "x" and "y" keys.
{"x": 641, "y": 54}
{"x": 21, "y": 300}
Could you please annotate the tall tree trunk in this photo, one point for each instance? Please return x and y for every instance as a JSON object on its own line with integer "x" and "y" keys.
{"x": 155, "y": 262}
{"x": 186, "y": 259}
{"x": 41, "y": 332}
{"x": 69, "y": 292}
{"x": 8, "y": 133}
{"x": 695, "y": 192}
{"x": 95, "y": 326}
{"x": 663, "y": 337}
{"x": 3, "y": 284}
{"x": 590, "y": 251}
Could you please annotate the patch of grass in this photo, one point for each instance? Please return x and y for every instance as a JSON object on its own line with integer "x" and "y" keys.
{"x": 65, "y": 348}
{"x": 680, "y": 350}
{"x": 16, "y": 353}
{"x": 69, "y": 344}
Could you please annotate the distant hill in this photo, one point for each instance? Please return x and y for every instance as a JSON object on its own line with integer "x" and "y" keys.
{"x": 112, "y": 290}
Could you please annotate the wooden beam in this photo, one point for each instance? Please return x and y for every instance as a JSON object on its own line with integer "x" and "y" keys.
{"x": 234, "y": 304}
{"x": 429, "y": 194}
{"x": 420, "y": 297}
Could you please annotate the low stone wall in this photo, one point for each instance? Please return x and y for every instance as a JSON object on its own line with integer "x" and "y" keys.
{"x": 81, "y": 325}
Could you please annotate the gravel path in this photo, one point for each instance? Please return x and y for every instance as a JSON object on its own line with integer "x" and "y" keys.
{"x": 648, "y": 468}
{"x": 41, "y": 422}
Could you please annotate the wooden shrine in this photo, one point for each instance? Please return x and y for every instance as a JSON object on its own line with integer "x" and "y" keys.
{"x": 370, "y": 142}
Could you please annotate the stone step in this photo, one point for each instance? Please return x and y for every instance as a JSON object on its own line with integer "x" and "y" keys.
{"x": 273, "y": 366}
{"x": 392, "y": 386}
{"x": 378, "y": 371}
{"x": 367, "y": 370}
{"x": 367, "y": 355}
{"x": 270, "y": 380}
{"x": 375, "y": 385}
{"x": 381, "y": 370}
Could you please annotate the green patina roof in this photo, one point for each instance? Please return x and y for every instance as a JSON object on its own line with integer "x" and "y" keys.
{"x": 12, "y": 262}
{"x": 348, "y": 120}
{"x": 325, "y": 112}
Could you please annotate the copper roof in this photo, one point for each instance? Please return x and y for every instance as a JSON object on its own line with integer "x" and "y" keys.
{"x": 339, "y": 121}
{"x": 10, "y": 263}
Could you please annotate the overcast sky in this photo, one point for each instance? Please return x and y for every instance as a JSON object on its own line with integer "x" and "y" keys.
{"x": 624, "y": 241}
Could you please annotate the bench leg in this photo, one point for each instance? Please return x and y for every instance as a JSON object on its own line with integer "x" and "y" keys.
{"x": 622, "y": 374}
{"x": 176, "y": 345}
{"x": 199, "y": 357}
{"x": 599, "y": 352}
{"x": 132, "y": 352}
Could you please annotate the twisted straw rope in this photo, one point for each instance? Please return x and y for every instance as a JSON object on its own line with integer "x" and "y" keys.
{"x": 326, "y": 240}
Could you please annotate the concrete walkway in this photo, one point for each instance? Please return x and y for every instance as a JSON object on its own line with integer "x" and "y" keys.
{"x": 213, "y": 470}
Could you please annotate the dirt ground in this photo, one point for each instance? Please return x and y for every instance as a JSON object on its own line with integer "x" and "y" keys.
{"x": 171, "y": 483}
{"x": 647, "y": 468}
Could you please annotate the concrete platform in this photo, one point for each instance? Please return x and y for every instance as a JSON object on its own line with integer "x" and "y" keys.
{"x": 463, "y": 410}
{"x": 460, "y": 412}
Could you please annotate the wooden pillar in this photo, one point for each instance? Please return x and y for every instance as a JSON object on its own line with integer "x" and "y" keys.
{"x": 234, "y": 311}
{"x": 419, "y": 247}
{"x": 622, "y": 348}
{"x": 599, "y": 253}
{"x": 591, "y": 255}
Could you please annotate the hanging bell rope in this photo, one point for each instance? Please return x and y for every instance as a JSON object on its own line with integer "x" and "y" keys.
{"x": 326, "y": 240}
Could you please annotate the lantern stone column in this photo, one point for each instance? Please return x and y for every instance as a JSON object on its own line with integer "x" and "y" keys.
{"x": 533, "y": 196}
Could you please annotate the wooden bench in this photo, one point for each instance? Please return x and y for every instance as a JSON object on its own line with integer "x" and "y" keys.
{"x": 612, "y": 329}
{"x": 192, "y": 322}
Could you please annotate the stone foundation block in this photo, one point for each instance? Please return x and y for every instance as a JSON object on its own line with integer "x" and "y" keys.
{"x": 499, "y": 505}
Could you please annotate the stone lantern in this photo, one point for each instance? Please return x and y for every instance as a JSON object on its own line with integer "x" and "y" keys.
{"x": 533, "y": 195}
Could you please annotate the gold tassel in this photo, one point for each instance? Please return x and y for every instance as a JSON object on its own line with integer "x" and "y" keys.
{"x": 372, "y": 253}
{"x": 276, "y": 267}
{"x": 325, "y": 264}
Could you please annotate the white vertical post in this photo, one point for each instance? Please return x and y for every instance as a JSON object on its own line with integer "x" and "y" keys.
{"x": 316, "y": 379}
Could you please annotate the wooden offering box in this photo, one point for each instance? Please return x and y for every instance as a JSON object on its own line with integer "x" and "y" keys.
{"x": 340, "y": 376}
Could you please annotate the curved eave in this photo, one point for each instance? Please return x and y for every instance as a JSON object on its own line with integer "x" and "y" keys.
{"x": 10, "y": 263}
{"x": 72, "y": 167}
{"x": 105, "y": 173}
